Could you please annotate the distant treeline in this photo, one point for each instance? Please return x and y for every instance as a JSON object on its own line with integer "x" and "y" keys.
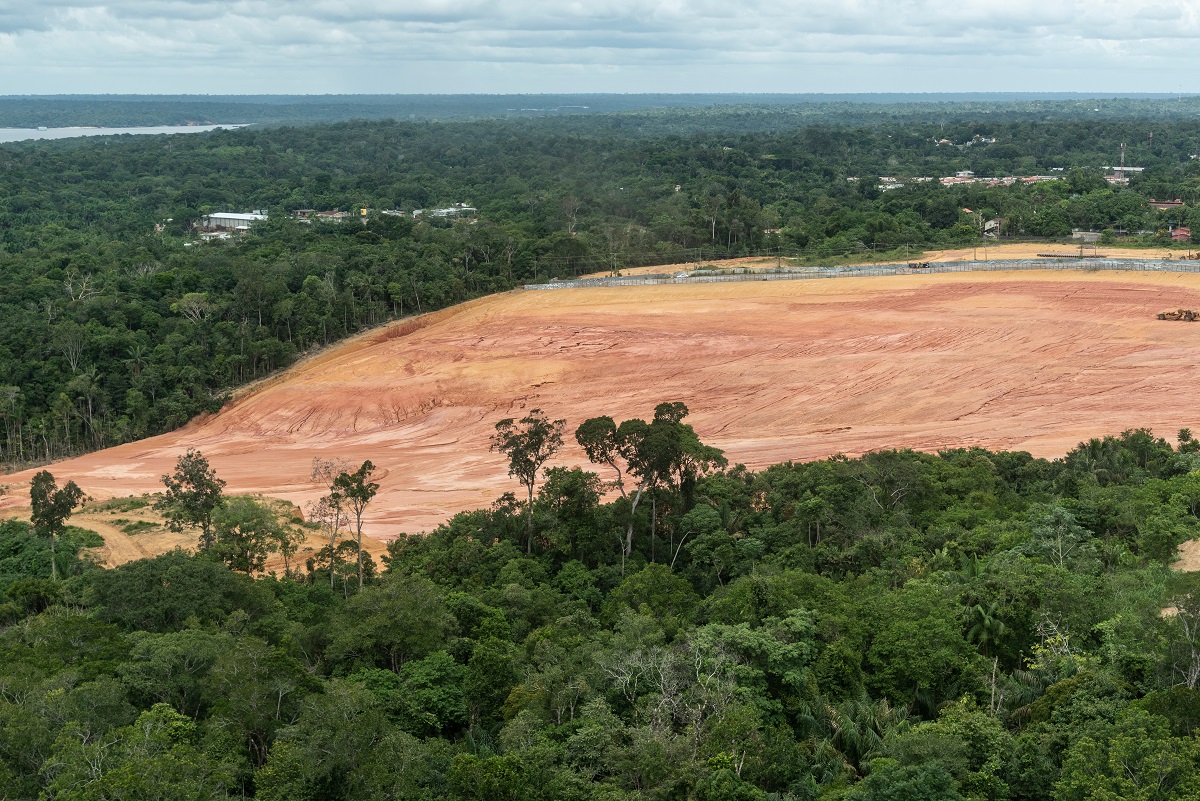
{"x": 32, "y": 111}
{"x": 117, "y": 324}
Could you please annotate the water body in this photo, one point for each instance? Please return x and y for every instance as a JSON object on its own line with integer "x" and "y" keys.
{"x": 23, "y": 134}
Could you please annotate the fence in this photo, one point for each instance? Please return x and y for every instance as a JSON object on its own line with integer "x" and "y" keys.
{"x": 1083, "y": 265}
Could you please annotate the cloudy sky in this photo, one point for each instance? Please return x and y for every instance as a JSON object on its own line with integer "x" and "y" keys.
{"x": 503, "y": 46}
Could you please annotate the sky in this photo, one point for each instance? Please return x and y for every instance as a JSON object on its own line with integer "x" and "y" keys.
{"x": 562, "y": 46}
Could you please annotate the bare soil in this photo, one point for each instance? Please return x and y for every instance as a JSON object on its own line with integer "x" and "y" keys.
{"x": 1001, "y": 252}
{"x": 131, "y": 534}
{"x": 1189, "y": 556}
{"x": 772, "y": 371}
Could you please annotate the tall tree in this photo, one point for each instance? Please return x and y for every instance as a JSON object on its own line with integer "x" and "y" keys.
{"x": 354, "y": 491}
{"x": 51, "y": 508}
{"x": 328, "y": 510}
{"x": 665, "y": 450}
{"x": 528, "y": 443}
{"x": 193, "y": 494}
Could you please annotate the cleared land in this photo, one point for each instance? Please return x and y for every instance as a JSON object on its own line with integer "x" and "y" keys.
{"x": 772, "y": 371}
{"x": 134, "y": 531}
{"x": 1001, "y": 252}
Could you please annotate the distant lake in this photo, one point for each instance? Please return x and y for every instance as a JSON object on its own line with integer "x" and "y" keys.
{"x": 22, "y": 134}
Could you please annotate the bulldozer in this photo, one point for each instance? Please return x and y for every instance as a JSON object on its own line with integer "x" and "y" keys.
{"x": 1186, "y": 315}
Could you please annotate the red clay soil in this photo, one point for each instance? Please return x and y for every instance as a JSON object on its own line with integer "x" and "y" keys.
{"x": 771, "y": 371}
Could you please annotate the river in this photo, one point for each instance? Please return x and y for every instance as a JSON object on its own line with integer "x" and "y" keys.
{"x": 23, "y": 134}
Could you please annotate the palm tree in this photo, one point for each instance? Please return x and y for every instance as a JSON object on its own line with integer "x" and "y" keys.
{"x": 987, "y": 628}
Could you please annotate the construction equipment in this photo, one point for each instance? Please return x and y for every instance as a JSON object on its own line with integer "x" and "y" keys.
{"x": 917, "y": 265}
{"x": 1186, "y": 315}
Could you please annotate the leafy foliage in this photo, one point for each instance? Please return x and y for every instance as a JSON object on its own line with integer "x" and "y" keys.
{"x": 193, "y": 495}
{"x": 961, "y": 625}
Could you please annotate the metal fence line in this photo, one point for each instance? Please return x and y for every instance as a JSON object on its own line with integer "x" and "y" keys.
{"x": 1081, "y": 265}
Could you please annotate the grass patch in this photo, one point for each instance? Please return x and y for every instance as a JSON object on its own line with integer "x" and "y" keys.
{"x": 128, "y": 504}
{"x": 138, "y": 526}
{"x": 82, "y": 537}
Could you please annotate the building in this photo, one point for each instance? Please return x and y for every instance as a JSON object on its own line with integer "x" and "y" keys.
{"x": 1164, "y": 205}
{"x": 225, "y": 220}
{"x": 1182, "y": 234}
{"x": 457, "y": 210}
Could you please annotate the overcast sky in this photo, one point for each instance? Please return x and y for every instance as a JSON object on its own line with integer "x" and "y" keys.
{"x": 528, "y": 46}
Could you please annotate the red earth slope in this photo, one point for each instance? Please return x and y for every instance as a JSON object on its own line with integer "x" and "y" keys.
{"x": 771, "y": 371}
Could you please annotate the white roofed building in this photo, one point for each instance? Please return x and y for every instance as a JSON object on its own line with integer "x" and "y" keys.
{"x": 230, "y": 220}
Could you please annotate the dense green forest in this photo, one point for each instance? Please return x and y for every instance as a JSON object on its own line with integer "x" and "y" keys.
{"x": 966, "y": 625}
{"x": 120, "y": 324}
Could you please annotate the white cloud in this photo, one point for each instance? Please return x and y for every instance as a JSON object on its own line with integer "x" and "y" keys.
{"x": 594, "y": 45}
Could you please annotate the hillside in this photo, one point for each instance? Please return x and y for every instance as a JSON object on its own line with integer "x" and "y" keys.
{"x": 771, "y": 371}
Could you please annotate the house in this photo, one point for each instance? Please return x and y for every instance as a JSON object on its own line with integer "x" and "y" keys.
{"x": 1182, "y": 234}
{"x": 1163, "y": 205}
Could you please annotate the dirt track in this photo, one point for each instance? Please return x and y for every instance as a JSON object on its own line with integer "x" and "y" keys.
{"x": 771, "y": 371}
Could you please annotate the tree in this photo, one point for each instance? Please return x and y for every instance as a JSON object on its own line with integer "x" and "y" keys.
{"x": 193, "y": 494}
{"x": 254, "y": 690}
{"x": 403, "y": 617}
{"x": 663, "y": 450}
{"x": 51, "y": 508}
{"x": 1183, "y": 628}
{"x": 320, "y": 756}
{"x": 155, "y": 758}
{"x": 287, "y": 539}
{"x": 1059, "y": 539}
{"x": 1134, "y": 758}
{"x": 245, "y": 531}
{"x": 528, "y": 443}
{"x": 331, "y": 517}
{"x": 888, "y": 780}
{"x": 166, "y": 592}
{"x": 354, "y": 491}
